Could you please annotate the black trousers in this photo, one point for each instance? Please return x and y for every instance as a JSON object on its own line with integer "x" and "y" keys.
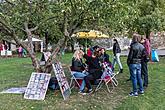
{"x": 87, "y": 79}
{"x": 144, "y": 73}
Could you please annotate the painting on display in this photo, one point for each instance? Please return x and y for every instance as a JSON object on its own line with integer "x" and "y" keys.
{"x": 62, "y": 80}
{"x": 37, "y": 86}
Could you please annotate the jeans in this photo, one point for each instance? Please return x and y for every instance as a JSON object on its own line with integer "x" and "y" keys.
{"x": 116, "y": 59}
{"x": 80, "y": 75}
{"x": 144, "y": 73}
{"x": 135, "y": 72}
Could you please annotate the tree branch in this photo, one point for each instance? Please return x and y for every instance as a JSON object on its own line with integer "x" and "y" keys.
{"x": 35, "y": 28}
{"x": 9, "y": 2}
{"x": 5, "y": 28}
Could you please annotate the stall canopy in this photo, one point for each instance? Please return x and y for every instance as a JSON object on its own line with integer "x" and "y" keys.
{"x": 36, "y": 40}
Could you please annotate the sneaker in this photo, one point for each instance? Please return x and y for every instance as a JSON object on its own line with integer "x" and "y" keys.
{"x": 82, "y": 93}
{"x": 89, "y": 91}
{"x": 141, "y": 92}
{"x": 133, "y": 94}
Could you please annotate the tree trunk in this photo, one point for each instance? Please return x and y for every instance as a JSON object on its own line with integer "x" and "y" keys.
{"x": 46, "y": 41}
{"x": 53, "y": 58}
{"x": 36, "y": 63}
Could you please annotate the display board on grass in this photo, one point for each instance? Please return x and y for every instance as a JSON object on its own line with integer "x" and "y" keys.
{"x": 15, "y": 90}
{"x": 37, "y": 86}
{"x": 62, "y": 80}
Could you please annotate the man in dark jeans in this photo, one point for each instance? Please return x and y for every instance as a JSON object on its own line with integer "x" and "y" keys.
{"x": 135, "y": 55}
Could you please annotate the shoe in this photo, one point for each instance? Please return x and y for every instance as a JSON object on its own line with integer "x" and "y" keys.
{"x": 141, "y": 92}
{"x": 128, "y": 79}
{"x": 82, "y": 93}
{"x": 121, "y": 71}
{"x": 89, "y": 91}
{"x": 145, "y": 87}
{"x": 133, "y": 94}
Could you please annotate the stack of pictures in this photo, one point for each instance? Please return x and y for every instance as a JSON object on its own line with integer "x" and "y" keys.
{"x": 37, "y": 86}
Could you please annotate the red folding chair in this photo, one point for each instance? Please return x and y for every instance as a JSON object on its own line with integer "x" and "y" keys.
{"x": 108, "y": 79}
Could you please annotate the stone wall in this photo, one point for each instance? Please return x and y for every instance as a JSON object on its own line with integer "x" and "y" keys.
{"x": 157, "y": 42}
{"x": 124, "y": 42}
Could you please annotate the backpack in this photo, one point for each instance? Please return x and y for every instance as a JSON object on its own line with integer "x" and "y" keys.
{"x": 53, "y": 84}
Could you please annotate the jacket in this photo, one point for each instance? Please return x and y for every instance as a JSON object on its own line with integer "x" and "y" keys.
{"x": 136, "y": 53}
{"x": 147, "y": 47}
{"x": 116, "y": 48}
{"x": 94, "y": 67}
{"x": 77, "y": 65}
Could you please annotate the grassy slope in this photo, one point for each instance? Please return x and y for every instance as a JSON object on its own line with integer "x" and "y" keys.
{"x": 15, "y": 72}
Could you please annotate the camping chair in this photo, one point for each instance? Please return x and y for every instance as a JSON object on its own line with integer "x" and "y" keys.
{"x": 74, "y": 81}
{"x": 107, "y": 78}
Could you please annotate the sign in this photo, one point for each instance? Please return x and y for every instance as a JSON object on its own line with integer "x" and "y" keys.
{"x": 37, "y": 86}
{"x": 62, "y": 80}
{"x": 6, "y": 52}
{"x": 45, "y": 57}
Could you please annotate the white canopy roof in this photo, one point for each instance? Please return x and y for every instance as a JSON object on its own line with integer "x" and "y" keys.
{"x": 34, "y": 40}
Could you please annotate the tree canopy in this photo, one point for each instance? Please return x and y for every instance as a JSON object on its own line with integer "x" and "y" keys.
{"x": 57, "y": 20}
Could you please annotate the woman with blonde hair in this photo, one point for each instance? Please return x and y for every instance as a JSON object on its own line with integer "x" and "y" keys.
{"x": 78, "y": 67}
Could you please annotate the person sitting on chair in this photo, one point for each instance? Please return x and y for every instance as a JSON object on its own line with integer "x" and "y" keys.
{"x": 104, "y": 57}
{"x": 78, "y": 67}
{"x": 94, "y": 70}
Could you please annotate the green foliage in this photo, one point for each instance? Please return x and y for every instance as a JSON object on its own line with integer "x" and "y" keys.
{"x": 108, "y": 16}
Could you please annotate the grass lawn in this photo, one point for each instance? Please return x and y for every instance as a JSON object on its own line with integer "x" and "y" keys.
{"x": 15, "y": 72}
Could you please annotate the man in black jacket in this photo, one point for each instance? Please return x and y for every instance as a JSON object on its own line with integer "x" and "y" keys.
{"x": 137, "y": 51}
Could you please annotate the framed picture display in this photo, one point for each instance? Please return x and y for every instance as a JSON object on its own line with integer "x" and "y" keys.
{"x": 37, "y": 86}
{"x": 62, "y": 80}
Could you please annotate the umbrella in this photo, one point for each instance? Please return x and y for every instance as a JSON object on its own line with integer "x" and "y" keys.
{"x": 91, "y": 35}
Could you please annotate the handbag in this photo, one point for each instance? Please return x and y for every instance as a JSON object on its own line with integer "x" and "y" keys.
{"x": 155, "y": 57}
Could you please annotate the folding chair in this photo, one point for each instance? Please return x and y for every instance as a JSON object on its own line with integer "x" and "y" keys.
{"x": 73, "y": 79}
{"x": 107, "y": 78}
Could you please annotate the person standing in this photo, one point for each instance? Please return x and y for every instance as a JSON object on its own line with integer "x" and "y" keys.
{"x": 135, "y": 55}
{"x": 20, "y": 50}
{"x": 5, "y": 48}
{"x": 1, "y": 47}
{"x": 116, "y": 53}
{"x": 144, "y": 69}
